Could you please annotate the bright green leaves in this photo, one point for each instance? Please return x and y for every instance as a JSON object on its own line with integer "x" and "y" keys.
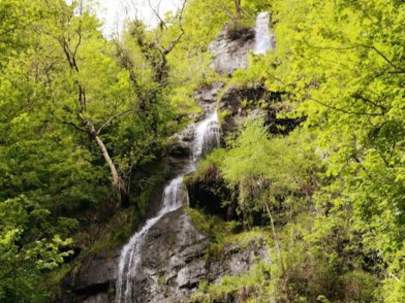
{"x": 15, "y": 18}
{"x": 51, "y": 171}
{"x": 250, "y": 155}
{"x": 47, "y": 254}
{"x": 26, "y": 248}
{"x": 268, "y": 169}
{"x": 342, "y": 64}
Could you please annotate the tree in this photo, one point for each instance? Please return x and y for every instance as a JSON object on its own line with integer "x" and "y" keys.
{"x": 238, "y": 8}
{"x": 342, "y": 67}
{"x": 70, "y": 36}
{"x": 69, "y": 125}
{"x": 21, "y": 266}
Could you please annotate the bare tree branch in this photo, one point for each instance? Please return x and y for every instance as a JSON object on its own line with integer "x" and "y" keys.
{"x": 372, "y": 47}
{"x": 69, "y": 123}
{"x": 79, "y": 41}
{"x": 173, "y": 44}
{"x": 156, "y": 13}
{"x": 112, "y": 118}
{"x": 344, "y": 110}
{"x": 383, "y": 56}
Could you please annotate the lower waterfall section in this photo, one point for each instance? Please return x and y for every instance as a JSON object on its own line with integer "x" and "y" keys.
{"x": 174, "y": 196}
{"x": 206, "y": 137}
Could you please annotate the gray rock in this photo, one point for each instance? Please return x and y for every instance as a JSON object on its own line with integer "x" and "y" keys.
{"x": 180, "y": 149}
{"x": 230, "y": 49}
{"x": 98, "y": 273}
{"x": 174, "y": 260}
{"x": 208, "y": 93}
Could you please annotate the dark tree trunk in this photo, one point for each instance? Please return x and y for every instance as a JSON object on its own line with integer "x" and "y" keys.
{"x": 238, "y": 9}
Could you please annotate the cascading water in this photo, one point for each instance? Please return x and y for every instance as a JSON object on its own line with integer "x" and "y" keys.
{"x": 206, "y": 137}
{"x": 264, "y": 40}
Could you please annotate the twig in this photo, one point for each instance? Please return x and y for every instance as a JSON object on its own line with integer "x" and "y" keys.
{"x": 111, "y": 119}
{"x": 343, "y": 110}
{"x": 172, "y": 45}
{"x": 75, "y": 126}
{"x": 156, "y": 13}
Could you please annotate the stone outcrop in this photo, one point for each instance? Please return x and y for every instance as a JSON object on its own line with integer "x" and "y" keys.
{"x": 94, "y": 281}
{"x": 208, "y": 190}
{"x": 175, "y": 260}
{"x": 230, "y": 49}
{"x": 99, "y": 298}
{"x": 171, "y": 260}
{"x": 100, "y": 272}
{"x": 236, "y": 113}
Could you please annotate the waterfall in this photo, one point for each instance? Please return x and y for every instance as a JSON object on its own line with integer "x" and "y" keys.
{"x": 264, "y": 40}
{"x": 206, "y": 137}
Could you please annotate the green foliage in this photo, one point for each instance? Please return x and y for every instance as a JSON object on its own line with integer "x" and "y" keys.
{"x": 23, "y": 221}
{"x": 335, "y": 185}
{"x": 246, "y": 287}
{"x": 339, "y": 64}
{"x": 342, "y": 66}
{"x": 268, "y": 169}
{"x": 210, "y": 225}
{"x": 59, "y": 77}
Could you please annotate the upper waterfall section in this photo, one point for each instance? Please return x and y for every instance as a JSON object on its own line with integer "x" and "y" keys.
{"x": 231, "y": 48}
{"x": 264, "y": 37}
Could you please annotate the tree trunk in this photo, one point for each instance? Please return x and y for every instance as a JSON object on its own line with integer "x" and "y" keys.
{"x": 275, "y": 237}
{"x": 278, "y": 247}
{"x": 238, "y": 9}
{"x": 117, "y": 181}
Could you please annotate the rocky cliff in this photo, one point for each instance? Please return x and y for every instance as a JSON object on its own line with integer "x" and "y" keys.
{"x": 175, "y": 256}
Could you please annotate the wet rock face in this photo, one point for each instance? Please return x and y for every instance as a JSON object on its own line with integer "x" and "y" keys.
{"x": 207, "y": 193}
{"x": 180, "y": 149}
{"x": 175, "y": 260}
{"x": 97, "y": 273}
{"x": 235, "y": 259}
{"x": 230, "y": 49}
{"x": 94, "y": 280}
{"x": 231, "y": 102}
{"x": 172, "y": 260}
{"x": 99, "y": 298}
{"x": 207, "y": 95}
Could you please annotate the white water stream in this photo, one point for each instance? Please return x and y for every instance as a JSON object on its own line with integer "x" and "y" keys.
{"x": 264, "y": 40}
{"x": 206, "y": 137}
